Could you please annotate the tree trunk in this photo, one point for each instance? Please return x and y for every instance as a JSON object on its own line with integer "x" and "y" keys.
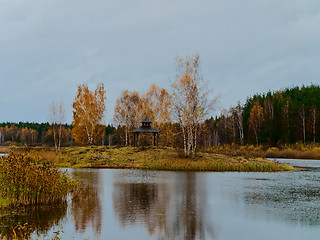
{"x": 303, "y": 121}
{"x": 314, "y": 120}
{"x": 60, "y": 133}
{"x": 195, "y": 143}
{"x": 184, "y": 141}
{"x": 240, "y": 126}
{"x": 54, "y": 136}
{"x": 1, "y": 137}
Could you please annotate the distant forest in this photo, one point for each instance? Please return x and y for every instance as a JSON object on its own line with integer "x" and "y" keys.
{"x": 274, "y": 118}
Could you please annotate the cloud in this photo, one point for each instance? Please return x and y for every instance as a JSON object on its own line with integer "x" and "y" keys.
{"x": 48, "y": 48}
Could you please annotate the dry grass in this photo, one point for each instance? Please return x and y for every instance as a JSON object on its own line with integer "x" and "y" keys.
{"x": 5, "y": 149}
{"x": 294, "y": 154}
{"x": 26, "y": 180}
{"x": 153, "y": 159}
{"x": 294, "y": 151}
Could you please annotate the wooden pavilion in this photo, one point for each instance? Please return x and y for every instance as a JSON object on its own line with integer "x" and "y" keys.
{"x": 146, "y": 128}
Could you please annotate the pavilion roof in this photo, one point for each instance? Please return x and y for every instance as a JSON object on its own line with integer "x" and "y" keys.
{"x": 148, "y": 129}
{"x": 146, "y": 120}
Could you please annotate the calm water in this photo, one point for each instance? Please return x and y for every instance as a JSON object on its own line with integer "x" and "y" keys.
{"x": 134, "y": 204}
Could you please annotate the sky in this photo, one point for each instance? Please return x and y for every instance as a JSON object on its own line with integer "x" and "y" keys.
{"x": 48, "y": 48}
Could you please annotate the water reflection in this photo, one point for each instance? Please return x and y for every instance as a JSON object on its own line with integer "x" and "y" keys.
{"x": 174, "y": 208}
{"x": 87, "y": 209}
{"x": 39, "y": 219}
{"x": 133, "y": 204}
{"x": 141, "y": 203}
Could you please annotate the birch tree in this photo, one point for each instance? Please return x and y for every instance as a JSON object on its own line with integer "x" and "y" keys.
{"x": 88, "y": 113}
{"x": 56, "y": 119}
{"x": 128, "y": 112}
{"x": 190, "y": 100}
{"x": 238, "y": 112}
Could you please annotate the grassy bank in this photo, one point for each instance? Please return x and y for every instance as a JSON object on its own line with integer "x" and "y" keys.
{"x": 153, "y": 159}
{"x": 294, "y": 151}
{"x": 24, "y": 180}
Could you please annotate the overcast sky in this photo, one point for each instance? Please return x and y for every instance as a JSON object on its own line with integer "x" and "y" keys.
{"x": 48, "y": 48}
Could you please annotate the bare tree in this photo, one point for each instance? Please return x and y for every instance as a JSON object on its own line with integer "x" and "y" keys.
{"x": 190, "y": 101}
{"x": 237, "y": 112}
{"x": 56, "y": 118}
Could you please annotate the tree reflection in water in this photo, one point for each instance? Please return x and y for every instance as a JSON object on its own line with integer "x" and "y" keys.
{"x": 39, "y": 219}
{"x": 86, "y": 209}
{"x": 141, "y": 202}
{"x": 174, "y": 210}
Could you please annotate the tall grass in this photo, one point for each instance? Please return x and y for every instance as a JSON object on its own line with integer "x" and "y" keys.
{"x": 28, "y": 182}
{"x": 295, "y": 151}
{"x": 217, "y": 165}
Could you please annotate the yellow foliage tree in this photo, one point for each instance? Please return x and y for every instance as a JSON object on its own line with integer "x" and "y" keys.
{"x": 88, "y": 114}
{"x": 128, "y": 112}
{"x": 256, "y": 119}
{"x": 156, "y": 105}
{"x": 130, "y": 109}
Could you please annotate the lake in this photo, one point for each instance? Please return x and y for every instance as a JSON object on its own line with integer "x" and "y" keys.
{"x": 136, "y": 204}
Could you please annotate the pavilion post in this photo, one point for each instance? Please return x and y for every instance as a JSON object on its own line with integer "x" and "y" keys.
{"x": 134, "y": 139}
{"x": 157, "y": 139}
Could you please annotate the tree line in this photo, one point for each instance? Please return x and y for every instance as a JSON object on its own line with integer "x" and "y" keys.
{"x": 182, "y": 114}
{"x": 274, "y": 118}
{"x": 179, "y": 114}
{"x": 33, "y": 134}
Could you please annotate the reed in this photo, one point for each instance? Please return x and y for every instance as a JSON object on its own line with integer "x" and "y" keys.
{"x": 25, "y": 181}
